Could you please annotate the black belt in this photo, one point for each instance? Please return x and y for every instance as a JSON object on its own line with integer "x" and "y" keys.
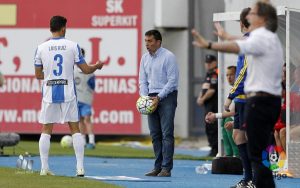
{"x": 154, "y": 94}
{"x": 260, "y": 94}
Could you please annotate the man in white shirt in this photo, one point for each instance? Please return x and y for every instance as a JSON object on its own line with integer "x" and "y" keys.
{"x": 263, "y": 84}
{"x": 54, "y": 64}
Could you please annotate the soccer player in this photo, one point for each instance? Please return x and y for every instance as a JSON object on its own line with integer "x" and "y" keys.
{"x": 54, "y": 63}
{"x": 238, "y": 95}
{"x": 227, "y": 121}
{"x": 85, "y": 85}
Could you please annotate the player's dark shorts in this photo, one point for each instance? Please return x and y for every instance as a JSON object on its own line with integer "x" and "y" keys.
{"x": 239, "y": 117}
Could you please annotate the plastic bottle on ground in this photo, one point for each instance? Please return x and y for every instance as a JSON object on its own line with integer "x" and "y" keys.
{"x": 201, "y": 169}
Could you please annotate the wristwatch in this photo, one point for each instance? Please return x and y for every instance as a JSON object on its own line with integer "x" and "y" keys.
{"x": 209, "y": 45}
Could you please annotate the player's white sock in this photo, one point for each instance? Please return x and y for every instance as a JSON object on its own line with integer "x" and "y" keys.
{"x": 84, "y": 139}
{"x": 91, "y": 138}
{"x": 44, "y": 146}
{"x": 78, "y": 145}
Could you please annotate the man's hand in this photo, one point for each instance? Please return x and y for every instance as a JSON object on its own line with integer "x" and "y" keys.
{"x": 220, "y": 32}
{"x": 210, "y": 117}
{"x": 155, "y": 101}
{"x": 199, "y": 40}
{"x": 229, "y": 125}
{"x": 227, "y": 104}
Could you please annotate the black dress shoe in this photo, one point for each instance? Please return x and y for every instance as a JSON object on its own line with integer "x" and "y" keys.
{"x": 164, "y": 173}
{"x": 153, "y": 172}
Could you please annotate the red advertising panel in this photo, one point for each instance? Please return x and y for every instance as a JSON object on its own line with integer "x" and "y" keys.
{"x": 108, "y": 30}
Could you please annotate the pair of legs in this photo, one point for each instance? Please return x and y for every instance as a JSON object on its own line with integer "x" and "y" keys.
{"x": 229, "y": 145}
{"x": 60, "y": 112}
{"x": 161, "y": 125}
{"x": 86, "y": 127}
{"x": 44, "y": 145}
{"x": 261, "y": 116}
{"x": 211, "y": 130}
{"x": 280, "y": 138}
{"x": 240, "y": 139}
{"x": 85, "y": 124}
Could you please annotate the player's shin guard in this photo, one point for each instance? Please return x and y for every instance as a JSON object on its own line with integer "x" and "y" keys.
{"x": 78, "y": 144}
{"x": 44, "y": 146}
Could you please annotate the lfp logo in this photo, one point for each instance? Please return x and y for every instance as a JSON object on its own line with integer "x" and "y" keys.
{"x": 274, "y": 158}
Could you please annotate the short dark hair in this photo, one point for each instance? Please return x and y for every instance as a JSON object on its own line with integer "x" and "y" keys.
{"x": 57, "y": 23}
{"x": 82, "y": 52}
{"x": 268, "y": 12}
{"x": 243, "y": 17}
{"x": 232, "y": 67}
{"x": 155, "y": 33}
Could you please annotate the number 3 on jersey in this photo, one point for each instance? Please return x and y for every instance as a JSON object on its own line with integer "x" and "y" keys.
{"x": 59, "y": 60}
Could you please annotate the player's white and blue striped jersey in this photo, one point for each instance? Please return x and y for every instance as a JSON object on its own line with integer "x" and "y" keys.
{"x": 58, "y": 56}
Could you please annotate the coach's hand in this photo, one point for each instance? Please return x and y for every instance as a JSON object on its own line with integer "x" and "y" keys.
{"x": 199, "y": 41}
{"x": 220, "y": 32}
{"x": 155, "y": 101}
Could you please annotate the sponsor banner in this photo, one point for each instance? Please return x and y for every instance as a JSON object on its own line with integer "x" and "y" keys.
{"x": 108, "y": 30}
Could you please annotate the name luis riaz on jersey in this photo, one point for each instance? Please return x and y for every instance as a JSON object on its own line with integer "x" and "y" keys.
{"x": 56, "y": 48}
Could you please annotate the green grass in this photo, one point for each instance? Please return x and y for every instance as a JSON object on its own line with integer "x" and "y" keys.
{"x": 108, "y": 151}
{"x": 13, "y": 178}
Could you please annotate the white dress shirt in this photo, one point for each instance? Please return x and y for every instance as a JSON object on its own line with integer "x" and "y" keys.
{"x": 265, "y": 68}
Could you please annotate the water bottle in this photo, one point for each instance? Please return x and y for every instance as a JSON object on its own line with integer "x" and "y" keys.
{"x": 20, "y": 161}
{"x": 201, "y": 169}
{"x": 29, "y": 163}
{"x": 208, "y": 166}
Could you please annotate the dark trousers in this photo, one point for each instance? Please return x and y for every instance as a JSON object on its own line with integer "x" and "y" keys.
{"x": 211, "y": 129}
{"x": 261, "y": 115}
{"x": 161, "y": 125}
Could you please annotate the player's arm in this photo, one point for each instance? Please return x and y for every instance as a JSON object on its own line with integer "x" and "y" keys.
{"x": 224, "y": 114}
{"x": 39, "y": 74}
{"x": 38, "y": 65}
{"x": 88, "y": 69}
{"x": 81, "y": 63}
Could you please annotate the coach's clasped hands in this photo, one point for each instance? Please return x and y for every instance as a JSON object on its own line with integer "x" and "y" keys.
{"x": 155, "y": 101}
